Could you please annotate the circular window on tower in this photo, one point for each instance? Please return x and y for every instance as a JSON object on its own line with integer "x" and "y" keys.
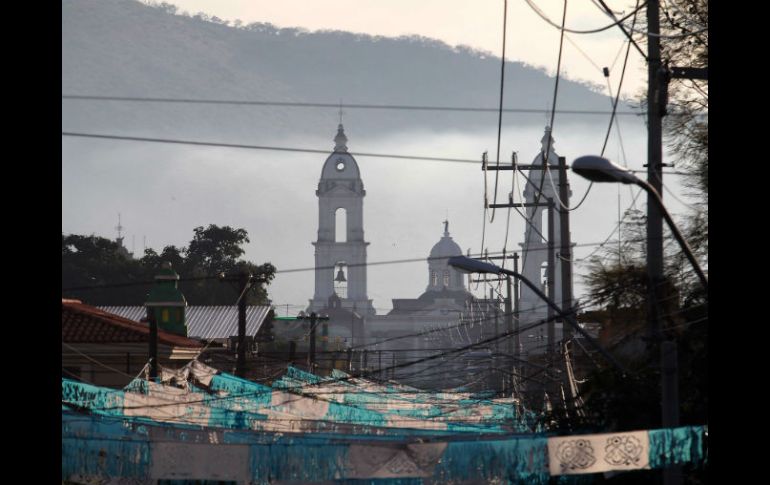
{"x": 340, "y": 164}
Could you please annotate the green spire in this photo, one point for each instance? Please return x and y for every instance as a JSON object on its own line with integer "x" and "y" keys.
{"x": 166, "y": 302}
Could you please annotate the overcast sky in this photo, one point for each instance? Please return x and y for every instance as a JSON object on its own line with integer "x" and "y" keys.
{"x": 476, "y": 23}
{"x": 165, "y": 191}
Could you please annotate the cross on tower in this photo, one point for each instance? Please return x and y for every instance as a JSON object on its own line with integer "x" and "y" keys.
{"x": 341, "y": 112}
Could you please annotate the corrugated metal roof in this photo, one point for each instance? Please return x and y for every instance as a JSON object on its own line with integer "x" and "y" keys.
{"x": 86, "y": 324}
{"x": 205, "y": 322}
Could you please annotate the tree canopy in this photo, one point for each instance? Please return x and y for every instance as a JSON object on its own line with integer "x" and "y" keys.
{"x": 99, "y": 271}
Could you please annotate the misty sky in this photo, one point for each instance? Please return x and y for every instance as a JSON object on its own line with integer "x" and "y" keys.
{"x": 164, "y": 191}
{"x": 474, "y": 23}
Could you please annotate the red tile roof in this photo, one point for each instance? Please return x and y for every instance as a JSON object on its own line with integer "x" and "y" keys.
{"x": 81, "y": 323}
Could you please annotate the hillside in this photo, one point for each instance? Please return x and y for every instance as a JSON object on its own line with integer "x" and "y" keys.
{"x": 126, "y": 48}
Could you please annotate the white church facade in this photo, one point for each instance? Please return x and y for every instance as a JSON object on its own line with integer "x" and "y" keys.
{"x": 446, "y": 313}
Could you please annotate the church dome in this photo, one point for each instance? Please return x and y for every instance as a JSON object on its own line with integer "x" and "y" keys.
{"x": 446, "y": 247}
{"x": 340, "y": 165}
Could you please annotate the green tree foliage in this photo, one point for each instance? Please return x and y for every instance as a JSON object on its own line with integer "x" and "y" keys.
{"x": 92, "y": 261}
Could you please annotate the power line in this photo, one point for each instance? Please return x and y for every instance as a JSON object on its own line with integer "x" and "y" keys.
{"x": 288, "y": 149}
{"x": 299, "y": 104}
{"x": 296, "y": 270}
{"x": 500, "y": 112}
{"x": 547, "y": 154}
{"x": 351, "y": 376}
{"x": 257, "y": 147}
{"x": 618, "y": 22}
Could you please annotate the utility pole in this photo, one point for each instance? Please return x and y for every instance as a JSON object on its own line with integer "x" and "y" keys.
{"x": 324, "y": 338}
{"x": 658, "y": 77}
{"x": 153, "y": 344}
{"x": 565, "y": 252}
{"x": 243, "y": 283}
{"x": 292, "y": 351}
{"x": 516, "y": 338}
{"x": 515, "y": 301}
{"x": 314, "y": 319}
{"x": 497, "y": 317}
{"x": 551, "y": 275}
{"x": 311, "y": 353}
{"x": 565, "y": 263}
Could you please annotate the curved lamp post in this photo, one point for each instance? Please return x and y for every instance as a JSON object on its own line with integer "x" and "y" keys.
{"x": 469, "y": 265}
{"x": 599, "y": 169}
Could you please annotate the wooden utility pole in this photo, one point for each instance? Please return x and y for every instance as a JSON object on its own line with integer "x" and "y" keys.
{"x": 565, "y": 251}
{"x": 243, "y": 282}
{"x": 515, "y": 303}
{"x": 311, "y": 350}
{"x": 551, "y": 276}
{"x": 153, "y": 344}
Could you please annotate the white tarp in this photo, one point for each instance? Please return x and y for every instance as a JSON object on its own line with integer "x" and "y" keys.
{"x": 595, "y": 453}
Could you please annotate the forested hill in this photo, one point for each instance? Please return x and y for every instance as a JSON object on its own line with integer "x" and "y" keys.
{"x": 126, "y": 48}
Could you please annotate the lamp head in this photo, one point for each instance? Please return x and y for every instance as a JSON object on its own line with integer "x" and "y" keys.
{"x": 599, "y": 169}
{"x": 468, "y": 265}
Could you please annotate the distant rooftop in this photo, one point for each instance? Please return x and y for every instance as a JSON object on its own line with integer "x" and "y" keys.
{"x": 205, "y": 322}
{"x": 81, "y": 323}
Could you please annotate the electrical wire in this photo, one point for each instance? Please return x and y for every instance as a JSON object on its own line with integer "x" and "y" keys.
{"x": 609, "y": 12}
{"x": 547, "y": 154}
{"x": 288, "y": 149}
{"x": 293, "y": 270}
{"x": 609, "y": 128}
{"x": 670, "y": 36}
{"x": 329, "y": 105}
{"x": 256, "y": 147}
{"x": 617, "y": 22}
{"x": 500, "y": 112}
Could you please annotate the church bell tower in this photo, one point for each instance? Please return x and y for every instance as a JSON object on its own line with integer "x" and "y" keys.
{"x": 340, "y": 251}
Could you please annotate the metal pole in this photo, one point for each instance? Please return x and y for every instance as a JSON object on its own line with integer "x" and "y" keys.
{"x": 655, "y": 96}
{"x": 311, "y": 353}
{"x": 153, "y": 343}
{"x": 516, "y": 338}
{"x": 551, "y": 275}
{"x": 570, "y": 319}
{"x": 324, "y": 339}
{"x": 240, "y": 368}
{"x": 292, "y": 351}
{"x": 565, "y": 254}
{"x": 509, "y": 315}
{"x": 497, "y": 324}
{"x": 676, "y": 232}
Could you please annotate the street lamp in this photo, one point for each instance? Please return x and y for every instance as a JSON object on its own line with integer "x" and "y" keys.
{"x": 599, "y": 169}
{"x": 469, "y": 265}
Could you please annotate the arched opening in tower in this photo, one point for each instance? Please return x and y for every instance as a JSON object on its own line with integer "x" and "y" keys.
{"x": 341, "y": 225}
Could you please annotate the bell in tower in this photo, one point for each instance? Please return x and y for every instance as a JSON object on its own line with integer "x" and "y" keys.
{"x": 340, "y": 282}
